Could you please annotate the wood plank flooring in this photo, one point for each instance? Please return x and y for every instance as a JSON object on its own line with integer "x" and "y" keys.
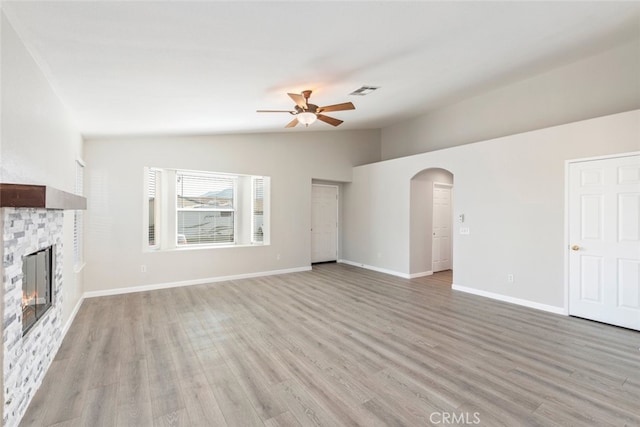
{"x": 336, "y": 346}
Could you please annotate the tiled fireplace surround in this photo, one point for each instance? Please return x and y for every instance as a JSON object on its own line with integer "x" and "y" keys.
{"x": 26, "y": 359}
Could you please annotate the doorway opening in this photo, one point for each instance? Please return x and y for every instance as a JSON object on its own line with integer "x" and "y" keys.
{"x": 431, "y": 222}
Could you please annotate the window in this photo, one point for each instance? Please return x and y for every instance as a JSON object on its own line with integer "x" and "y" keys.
{"x": 78, "y": 258}
{"x": 196, "y": 208}
{"x": 257, "y": 209}
{"x": 152, "y": 186}
{"x": 205, "y": 208}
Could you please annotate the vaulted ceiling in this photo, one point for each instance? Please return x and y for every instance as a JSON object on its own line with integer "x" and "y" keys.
{"x": 205, "y": 67}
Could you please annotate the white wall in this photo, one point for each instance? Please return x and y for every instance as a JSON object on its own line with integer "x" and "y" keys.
{"x": 421, "y": 218}
{"x": 40, "y": 143}
{"x": 511, "y": 191}
{"x": 596, "y": 86}
{"x": 114, "y": 229}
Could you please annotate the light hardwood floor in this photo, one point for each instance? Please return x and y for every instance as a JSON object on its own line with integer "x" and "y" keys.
{"x": 336, "y": 346}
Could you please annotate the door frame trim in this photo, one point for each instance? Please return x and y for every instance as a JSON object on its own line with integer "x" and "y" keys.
{"x": 337, "y": 187}
{"x": 567, "y": 243}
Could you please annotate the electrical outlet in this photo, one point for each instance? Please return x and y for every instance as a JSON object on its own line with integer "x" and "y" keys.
{"x": 510, "y": 278}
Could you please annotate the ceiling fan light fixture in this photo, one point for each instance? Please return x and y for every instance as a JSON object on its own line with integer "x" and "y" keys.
{"x": 306, "y": 118}
{"x": 307, "y": 113}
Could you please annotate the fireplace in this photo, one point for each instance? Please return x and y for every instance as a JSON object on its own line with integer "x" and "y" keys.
{"x": 37, "y": 273}
{"x": 33, "y": 230}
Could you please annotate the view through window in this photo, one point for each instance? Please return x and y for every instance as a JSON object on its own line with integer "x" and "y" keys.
{"x": 190, "y": 208}
{"x": 205, "y": 208}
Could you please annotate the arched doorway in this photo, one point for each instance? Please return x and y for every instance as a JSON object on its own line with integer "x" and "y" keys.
{"x": 431, "y": 222}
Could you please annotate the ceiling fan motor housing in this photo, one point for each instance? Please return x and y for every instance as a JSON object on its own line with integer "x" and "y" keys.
{"x": 311, "y": 108}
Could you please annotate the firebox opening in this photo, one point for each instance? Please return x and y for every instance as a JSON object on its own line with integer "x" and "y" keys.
{"x": 37, "y": 269}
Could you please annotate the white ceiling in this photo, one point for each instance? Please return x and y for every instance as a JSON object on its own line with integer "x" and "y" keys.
{"x": 158, "y": 67}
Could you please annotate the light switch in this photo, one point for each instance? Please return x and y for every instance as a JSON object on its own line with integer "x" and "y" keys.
{"x": 464, "y": 230}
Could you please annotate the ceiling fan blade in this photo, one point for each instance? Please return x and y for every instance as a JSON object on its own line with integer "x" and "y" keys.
{"x": 299, "y": 100}
{"x": 275, "y": 111}
{"x": 338, "y": 107}
{"x": 330, "y": 120}
{"x": 292, "y": 123}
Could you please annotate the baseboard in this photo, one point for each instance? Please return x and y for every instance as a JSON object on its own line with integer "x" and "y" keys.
{"x": 67, "y": 325}
{"x": 512, "y": 300}
{"x": 378, "y": 269}
{"x": 423, "y": 274}
{"x": 384, "y": 270}
{"x": 156, "y": 286}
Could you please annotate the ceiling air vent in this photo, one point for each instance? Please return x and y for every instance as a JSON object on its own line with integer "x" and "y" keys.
{"x": 364, "y": 90}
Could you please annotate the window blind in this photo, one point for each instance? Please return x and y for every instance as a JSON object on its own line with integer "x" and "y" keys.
{"x": 257, "y": 210}
{"x": 203, "y": 191}
{"x": 78, "y": 217}
{"x": 205, "y": 208}
{"x": 152, "y": 178}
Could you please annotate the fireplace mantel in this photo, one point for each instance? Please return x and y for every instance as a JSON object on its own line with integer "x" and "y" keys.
{"x": 39, "y": 196}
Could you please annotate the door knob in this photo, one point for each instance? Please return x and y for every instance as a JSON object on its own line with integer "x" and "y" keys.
{"x": 575, "y": 248}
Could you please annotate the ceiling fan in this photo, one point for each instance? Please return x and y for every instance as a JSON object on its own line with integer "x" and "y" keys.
{"x": 307, "y": 113}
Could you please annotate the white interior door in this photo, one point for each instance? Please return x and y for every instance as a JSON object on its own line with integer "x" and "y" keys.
{"x": 441, "y": 241}
{"x": 604, "y": 240}
{"x": 324, "y": 223}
